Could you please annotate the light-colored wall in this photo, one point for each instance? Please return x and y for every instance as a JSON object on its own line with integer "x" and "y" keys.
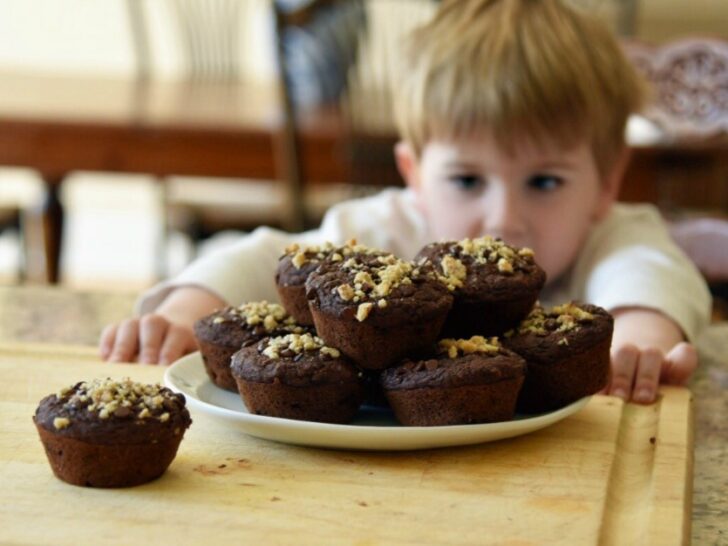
{"x": 93, "y": 36}
{"x": 662, "y": 20}
{"x": 84, "y": 36}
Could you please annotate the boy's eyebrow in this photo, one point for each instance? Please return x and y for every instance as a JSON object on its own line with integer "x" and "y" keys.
{"x": 461, "y": 165}
{"x": 554, "y": 164}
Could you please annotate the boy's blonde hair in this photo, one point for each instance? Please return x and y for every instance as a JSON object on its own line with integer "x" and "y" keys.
{"x": 517, "y": 67}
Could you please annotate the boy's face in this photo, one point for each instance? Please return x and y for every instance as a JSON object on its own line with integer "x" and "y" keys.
{"x": 542, "y": 197}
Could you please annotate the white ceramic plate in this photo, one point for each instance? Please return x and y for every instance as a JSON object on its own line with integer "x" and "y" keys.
{"x": 372, "y": 429}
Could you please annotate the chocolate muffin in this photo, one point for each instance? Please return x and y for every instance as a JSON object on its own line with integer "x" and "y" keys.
{"x": 567, "y": 351}
{"x": 297, "y": 376}
{"x": 472, "y": 380}
{"x": 293, "y": 269}
{"x": 376, "y": 308}
{"x": 495, "y": 285}
{"x": 222, "y": 333}
{"x": 107, "y": 433}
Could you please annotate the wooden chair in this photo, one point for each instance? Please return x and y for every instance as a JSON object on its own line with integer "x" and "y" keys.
{"x": 212, "y": 36}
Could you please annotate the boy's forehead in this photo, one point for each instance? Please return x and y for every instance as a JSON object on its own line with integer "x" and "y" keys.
{"x": 481, "y": 144}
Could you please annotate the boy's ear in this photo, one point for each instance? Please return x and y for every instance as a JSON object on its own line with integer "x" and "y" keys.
{"x": 612, "y": 183}
{"x": 406, "y": 159}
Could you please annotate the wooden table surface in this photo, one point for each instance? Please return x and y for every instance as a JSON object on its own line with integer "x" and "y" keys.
{"x": 613, "y": 473}
{"x": 252, "y": 485}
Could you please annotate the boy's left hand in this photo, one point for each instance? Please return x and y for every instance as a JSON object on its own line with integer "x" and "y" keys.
{"x": 648, "y": 348}
{"x": 636, "y": 373}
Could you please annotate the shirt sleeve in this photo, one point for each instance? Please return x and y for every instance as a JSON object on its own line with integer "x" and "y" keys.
{"x": 244, "y": 271}
{"x": 629, "y": 260}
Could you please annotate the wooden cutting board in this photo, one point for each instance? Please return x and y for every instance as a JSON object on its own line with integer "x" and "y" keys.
{"x": 613, "y": 473}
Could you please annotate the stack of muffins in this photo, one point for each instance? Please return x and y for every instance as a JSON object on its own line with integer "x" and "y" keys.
{"x": 454, "y": 337}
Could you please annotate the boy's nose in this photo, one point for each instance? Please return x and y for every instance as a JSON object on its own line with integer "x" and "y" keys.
{"x": 504, "y": 218}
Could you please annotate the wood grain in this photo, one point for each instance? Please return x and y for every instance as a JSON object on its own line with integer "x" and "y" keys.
{"x": 595, "y": 478}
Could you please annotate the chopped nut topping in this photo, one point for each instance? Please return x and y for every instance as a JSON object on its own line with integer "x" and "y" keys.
{"x": 362, "y": 277}
{"x": 572, "y": 310}
{"x": 270, "y": 322}
{"x": 333, "y": 353}
{"x": 269, "y": 316}
{"x": 487, "y": 249}
{"x": 303, "y": 255}
{"x": 362, "y": 312}
{"x": 63, "y": 392}
{"x": 454, "y": 272}
{"x": 476, "y": 344}
{"x": 108, "y": 397}
{"x": 300, "y": 256}
{"x": 294, "y": 344}
{"x": 526, "y": 252}
{"x": 504, "y": 266}
{"x": 374, "y": 279}
{"x": 345, "y": 291}
{"x": 61, "y": 422}
{"x": 561, "y": 318}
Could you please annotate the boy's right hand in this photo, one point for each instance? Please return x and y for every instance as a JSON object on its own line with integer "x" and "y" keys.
{"x": 164, "y": 335}
{"x": 150, "y": 339}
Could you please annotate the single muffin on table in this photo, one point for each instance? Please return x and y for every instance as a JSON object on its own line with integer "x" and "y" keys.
{"x": 494, "y": 285}
{"x": 222, "y": 333}
{"x": 107, "y": 433}
{"x": 566, "y": 349}
{"x": 377, "y": 308}
{"x": 297, "y": 376}
{"x": 473, "y": 380}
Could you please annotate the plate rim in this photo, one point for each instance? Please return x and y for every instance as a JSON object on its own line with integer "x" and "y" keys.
{"x": 406, "y": 437}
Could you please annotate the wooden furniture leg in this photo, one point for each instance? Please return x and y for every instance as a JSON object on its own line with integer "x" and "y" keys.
{"x": 52, "y": 222}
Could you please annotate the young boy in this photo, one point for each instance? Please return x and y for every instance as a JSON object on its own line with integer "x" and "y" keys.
{"x": 512, "y": 115}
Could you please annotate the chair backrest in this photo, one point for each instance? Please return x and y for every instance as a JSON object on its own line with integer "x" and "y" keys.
{"x": 200, "y": 40}
{"x": 689, "y": 81}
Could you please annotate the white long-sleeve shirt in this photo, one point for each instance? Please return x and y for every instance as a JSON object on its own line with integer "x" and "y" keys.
{"x": 628, "y": 259}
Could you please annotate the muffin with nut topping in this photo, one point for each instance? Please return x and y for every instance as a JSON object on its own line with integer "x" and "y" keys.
{"x": 494, "y": 285}
{"x": 377, "y": 308}
{"x": 298, "y": 376}
{"x": 567, "y": 351}
{"x": 294, "y": 267}
{"x": 222, "y": 333}
{"x": 107, "y": 433}
{"x": 474, "y": 380}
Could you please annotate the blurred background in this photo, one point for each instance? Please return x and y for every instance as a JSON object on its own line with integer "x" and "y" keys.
{"x": 137, "y": 134}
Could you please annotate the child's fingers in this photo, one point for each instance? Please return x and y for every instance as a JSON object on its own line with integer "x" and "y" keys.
{"x": 624, "y": 363}
{"x": 126, "y": 342}
{"x": 177, "y": 342}
{"x": 152, "y": 329}
{"x": 647, "y": 375}
{"x": 679, "y": 364}
{"x": 106, "y": 341}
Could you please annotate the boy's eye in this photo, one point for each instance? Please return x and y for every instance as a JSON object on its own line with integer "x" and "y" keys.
{"x": 466, "y": 181}
{"x": 545, "y": 182}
